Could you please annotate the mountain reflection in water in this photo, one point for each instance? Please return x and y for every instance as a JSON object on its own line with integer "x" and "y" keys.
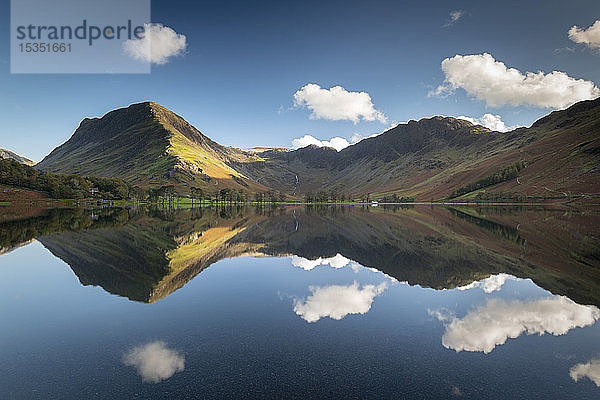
{"x": 374, "y": 300}
{"x": 147, "y": 254}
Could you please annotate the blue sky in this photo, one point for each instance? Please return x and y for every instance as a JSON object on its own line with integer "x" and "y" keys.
{"x": 243, "y": 62}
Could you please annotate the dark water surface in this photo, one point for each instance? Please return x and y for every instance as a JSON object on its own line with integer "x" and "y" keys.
{"x": 307, "y": 302}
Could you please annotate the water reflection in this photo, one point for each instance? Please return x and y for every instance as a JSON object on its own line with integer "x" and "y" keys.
{"x": 590, "y": 370}
{"x": 337, "y": 301}
{"x": 241, "y": 305}
{"x": 337, "y": 261}
{"x": 490, "y": 325}
{"x": 154, "y": 361}
{"x": 146, "y": 254}
{"x": 491, "y": 284}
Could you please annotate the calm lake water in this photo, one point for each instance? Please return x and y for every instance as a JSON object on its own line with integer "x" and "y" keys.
{"x": 308, "y": 302}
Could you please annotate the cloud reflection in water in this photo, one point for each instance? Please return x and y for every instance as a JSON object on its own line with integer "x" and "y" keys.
{"x": 337, "y": 261}
{"x": 490, "y": 325}
{"x": 590, "y": 370}
{"x": 491, "y": 284}
{"x": 154, "y": 361}
{"x": 337, "y": 301}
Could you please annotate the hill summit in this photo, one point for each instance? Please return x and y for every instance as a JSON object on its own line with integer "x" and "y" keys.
{"x": 148, "y": 145}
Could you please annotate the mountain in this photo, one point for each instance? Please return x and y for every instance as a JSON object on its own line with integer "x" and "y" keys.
{"x": 6, "y": 154}
{"x": 434, "y": 158}
{"x": 561, "y": 152}
{"x": 385, "y": 162}
{"x": 148, "y": 145}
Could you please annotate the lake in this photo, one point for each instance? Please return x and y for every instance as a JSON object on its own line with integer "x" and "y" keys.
{"x": 422, "y": 302}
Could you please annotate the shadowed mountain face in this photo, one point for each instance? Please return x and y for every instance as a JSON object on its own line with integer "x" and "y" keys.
{"x": 146, "y": 255}
{"x": 149, "y": 145}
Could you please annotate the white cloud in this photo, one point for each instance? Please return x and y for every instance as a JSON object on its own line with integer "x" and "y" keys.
{"x": 337, "y": 143}
{"x": 154, "y": 361}
{"x": 491, "y": 284}
{"x": 357, "y": 137}
{"x": 337, "y": 261}
{"x": 337, "y": 104}
{"x": 564, "y": 50}
{"x": 442, "y": 314}
{"x": 490, "y": 121}
{"x": 484, "y": 78}
{"x": 492, "y": 324}
{"x": 158, "y": 44}
{"x": 589, "y": 36}
{"x": 337, "y": 301}
{"x": 589, "y": 370}
{"x": 356, "y": 267}
{"x": 454, "y": 17}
